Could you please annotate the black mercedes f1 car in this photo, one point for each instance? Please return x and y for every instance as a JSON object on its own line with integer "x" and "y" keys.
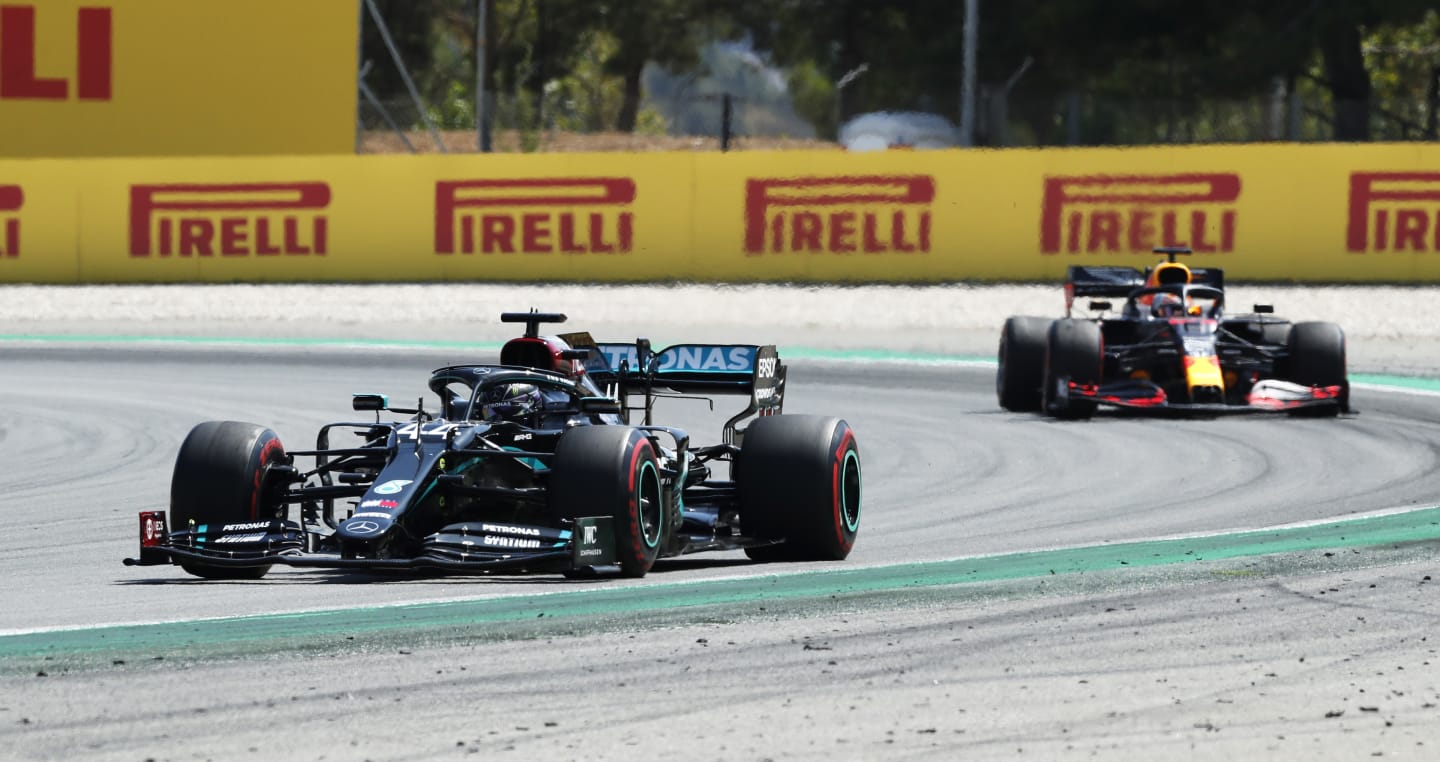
{"x": 1172, "y": 348}
{"x": 531, "y": 465}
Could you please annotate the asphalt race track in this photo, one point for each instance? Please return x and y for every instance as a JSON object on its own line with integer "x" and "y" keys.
{"x": 1327, "y": 653}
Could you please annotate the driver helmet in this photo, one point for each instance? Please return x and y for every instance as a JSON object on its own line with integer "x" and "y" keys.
{"x": 1169, "y": 273}
{"x": 511, "y": 402}
{"x": 1167, "y": 305}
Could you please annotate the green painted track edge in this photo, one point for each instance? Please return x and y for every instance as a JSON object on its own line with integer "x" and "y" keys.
{"x": 796, "y": 352}
{"x": 250, "y": 633}
{"x": 245, "y": 341}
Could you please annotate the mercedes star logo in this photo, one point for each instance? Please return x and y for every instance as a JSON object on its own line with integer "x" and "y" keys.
{"x": 362, "y": 527}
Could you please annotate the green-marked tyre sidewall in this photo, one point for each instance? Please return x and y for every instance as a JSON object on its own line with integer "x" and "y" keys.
{"x": 612, "y": 471}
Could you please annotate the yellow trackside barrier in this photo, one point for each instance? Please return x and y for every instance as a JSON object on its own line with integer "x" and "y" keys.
{"x": 39, "y": 219}
{"x": 387, "y": 218}
{"x": 177, "y": 77}
{"x": 1327, "y": 213}
{"x": 885, "y": 216}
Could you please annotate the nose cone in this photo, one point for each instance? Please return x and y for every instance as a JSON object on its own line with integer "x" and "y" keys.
{"x": 1205, "y": 379}
{"x": 365, "y": 526}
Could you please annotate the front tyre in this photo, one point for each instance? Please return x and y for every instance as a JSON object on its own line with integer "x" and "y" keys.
{"x": 220, "y": 479}
{"x": 799, "y": 479}
{"x": 1074, "y": 352}
{"x": 612, "y": 471}
{"x": 1020, "y": 371}
{"x": 1317, "y": 358}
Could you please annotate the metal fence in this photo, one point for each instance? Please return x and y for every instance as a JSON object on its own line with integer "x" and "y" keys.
{"x": 741, "y": 104}
{"x": 703, "y": 124}
{"x": 693, "y": 121}
{"x": 1086, "y": 120}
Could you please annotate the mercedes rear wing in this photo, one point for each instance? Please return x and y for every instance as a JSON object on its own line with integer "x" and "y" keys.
{"x": 634, "y": 369}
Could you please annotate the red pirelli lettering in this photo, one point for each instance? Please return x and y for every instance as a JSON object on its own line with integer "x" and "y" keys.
{"x": 870, "y": 214}
{"x": 94, "y": 73}
{"x": 12, "y": 197}
{"x": 1393, "y": 211}
{"x": 231, "y": 220}
{"x": 93, "y": 69}
{"x": 1136, "y": 213}
{"x": 578, "y": 215}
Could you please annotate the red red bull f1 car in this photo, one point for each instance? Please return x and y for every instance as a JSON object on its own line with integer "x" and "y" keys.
{"x": 530, "y": 465}
{"x": 1172, "y": 347}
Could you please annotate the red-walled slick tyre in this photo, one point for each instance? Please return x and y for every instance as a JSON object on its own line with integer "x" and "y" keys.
{"x": 219, "y": 479}
{"x": 612, "y": 470}
{"x": 799, "y": 479}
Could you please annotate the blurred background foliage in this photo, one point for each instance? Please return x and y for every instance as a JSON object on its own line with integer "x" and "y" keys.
{"x": 1050, "y": 72}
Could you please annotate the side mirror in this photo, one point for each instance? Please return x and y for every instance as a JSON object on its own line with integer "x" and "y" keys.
{"x": 1264, "y": 309}
{"x": 574, "y": 354}
{"x": 369, "y": 402}
{"x": 593, "y": 405}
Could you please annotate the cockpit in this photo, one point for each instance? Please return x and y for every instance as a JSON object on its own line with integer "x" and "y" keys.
{"x": 533, "y": 399}
{"x": 1175, "y": 301}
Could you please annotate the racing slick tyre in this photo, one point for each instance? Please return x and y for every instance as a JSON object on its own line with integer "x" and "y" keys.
{"x": 799, "y": 480}
{"x": 1074, "y": 349}
{"x": 612, "y": 470}
{"x": 219, "y": 480}
{"x": 1276, "y": 334}
{"x": 1317, "y": 358}
{"x": 1021, "y": 368}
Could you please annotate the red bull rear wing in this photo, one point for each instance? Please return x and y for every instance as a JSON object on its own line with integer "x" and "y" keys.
{"x": 1110, "y": 282}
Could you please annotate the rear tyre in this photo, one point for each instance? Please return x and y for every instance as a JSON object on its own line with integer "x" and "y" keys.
{"x": 1317, "y": 358}
{"x": 219, "y": 479}
{"x": 799, "y": 479}
{"x": 1021, "y": 368}
{"x": 1275, "y": 334}
{"x": 1075, "y": 351}
{"x": 612, "y": 471}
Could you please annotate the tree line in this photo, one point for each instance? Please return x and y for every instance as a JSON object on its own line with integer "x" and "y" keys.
{"x": 1358, "y": 69}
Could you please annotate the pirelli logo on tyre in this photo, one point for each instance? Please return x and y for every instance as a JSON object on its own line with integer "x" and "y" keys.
{"x": 1393, "y": 211}
{"x": 229, "y": 220}
{"x": 12, "y": 197}
{"x": 575, "y": 215}
{"x": 1133, "y": 214}
{"x": 865, "y": 214}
